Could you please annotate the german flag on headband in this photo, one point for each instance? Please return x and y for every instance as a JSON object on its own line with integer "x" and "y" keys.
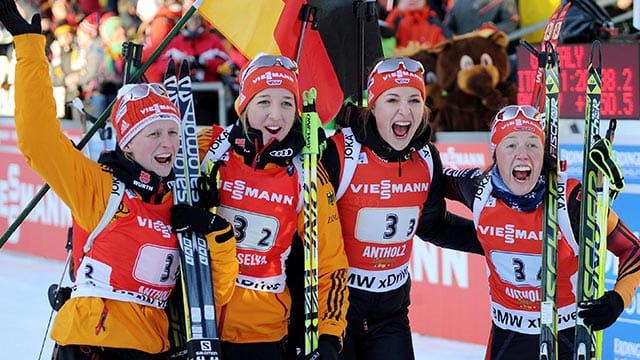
{"x": 327, "y": 61}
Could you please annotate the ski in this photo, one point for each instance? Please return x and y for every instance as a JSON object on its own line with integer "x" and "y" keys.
{"x": 175, "y": 304}
{"x": 610, "y": 183}
{"x": 584, "y": 346}
{"x": 310, "y": 126}
{"x": 549, "y": 268}
{"x": 551, "y": 36}
{"x": 200, "y": 329}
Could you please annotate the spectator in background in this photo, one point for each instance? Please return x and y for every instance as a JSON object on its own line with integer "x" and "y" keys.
{"x": 65, "y": 59}
{"x": 154, "y": 28}
{"x": 89, "y": 6}
{"x": 146, "y": 10}
{"x": 91, "y": 57}
{"x": 87, "y": 78}
{"x": 467, "y": 15}
{"x": 415, "y": 26}
{"x": 7, "y": 69}
{"x": 129, "y": 16}
{"x": 205, "y": 53}
{"x": 229, "y": 71}
{"x": 200, "y": 47}
{"x": 46, "y": 22}
{"x": 113, "y": 35}
{"x": 61, "y": 10}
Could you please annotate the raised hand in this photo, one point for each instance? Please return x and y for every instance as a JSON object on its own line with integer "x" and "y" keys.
{"x": 14, "y": 22}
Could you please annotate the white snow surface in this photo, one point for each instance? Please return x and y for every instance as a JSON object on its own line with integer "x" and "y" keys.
{"x": 25, "y": 311}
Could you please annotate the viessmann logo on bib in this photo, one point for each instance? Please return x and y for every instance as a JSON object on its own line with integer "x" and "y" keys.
{"x": 239, "y": 190}
{"x": 386, "y": 188}
{"x": 510, "y": 232}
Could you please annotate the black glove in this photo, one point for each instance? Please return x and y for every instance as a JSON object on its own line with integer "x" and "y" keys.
{"x": 328, "y": 348}
{"x": 192, "y": 218}
{"x": 603, "y": 312}
{"x": 208, "y": 188}
{"x": 14, "y": 22}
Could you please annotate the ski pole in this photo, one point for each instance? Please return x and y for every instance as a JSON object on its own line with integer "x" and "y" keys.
{"x": 365, "y": 11}
{"x": 307, "y": 13}
{"x": 101, "y": 119}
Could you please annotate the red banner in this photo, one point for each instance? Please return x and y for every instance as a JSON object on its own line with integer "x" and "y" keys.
{"x": 44, "y": 231}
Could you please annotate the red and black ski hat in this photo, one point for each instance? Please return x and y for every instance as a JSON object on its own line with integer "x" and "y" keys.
{"x": 139, "y": 105}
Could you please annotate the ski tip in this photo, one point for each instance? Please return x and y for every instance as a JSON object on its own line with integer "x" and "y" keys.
{"x": 184, "y": 68}
{"x": 171, "y": 69}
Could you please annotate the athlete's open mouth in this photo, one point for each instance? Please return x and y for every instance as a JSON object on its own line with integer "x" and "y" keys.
{"x": 273, "y": 130}
{"x": 521, "y": 172}
{"x": 163, "y": 158}
{"x": 401, "y": 128}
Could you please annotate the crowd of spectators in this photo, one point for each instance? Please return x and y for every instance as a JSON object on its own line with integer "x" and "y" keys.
{"x": 84, "y": 46}
{"x": 84, "y": 42}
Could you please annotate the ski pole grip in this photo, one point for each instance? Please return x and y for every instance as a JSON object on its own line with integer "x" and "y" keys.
{"x": 310, "y": 122}
{"x": 132, "y": 55}
{"x": 305, "y": 13}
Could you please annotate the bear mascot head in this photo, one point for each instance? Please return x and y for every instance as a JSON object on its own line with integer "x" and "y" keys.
{"x": 472, "y": 70}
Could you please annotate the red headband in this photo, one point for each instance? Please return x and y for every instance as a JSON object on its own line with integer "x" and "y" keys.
{"x": 501, "y": 129}
{"x": 381, "y": 81}
{"x": 261, "y": 78}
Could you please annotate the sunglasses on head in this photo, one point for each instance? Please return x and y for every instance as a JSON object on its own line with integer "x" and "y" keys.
{"x": 511, "y": 112}
{"x": 393, "y": 64}
{"x": 268, "y": 61}
{"x": 131, "y": 92}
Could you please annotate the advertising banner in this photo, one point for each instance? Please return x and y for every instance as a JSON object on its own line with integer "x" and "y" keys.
{"x": 44, "y": 231}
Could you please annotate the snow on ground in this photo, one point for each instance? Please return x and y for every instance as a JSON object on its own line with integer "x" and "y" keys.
{"x": 25, "y": 311}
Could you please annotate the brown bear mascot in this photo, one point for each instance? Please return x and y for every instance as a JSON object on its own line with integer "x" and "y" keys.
{"x": 472, "y": 70}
